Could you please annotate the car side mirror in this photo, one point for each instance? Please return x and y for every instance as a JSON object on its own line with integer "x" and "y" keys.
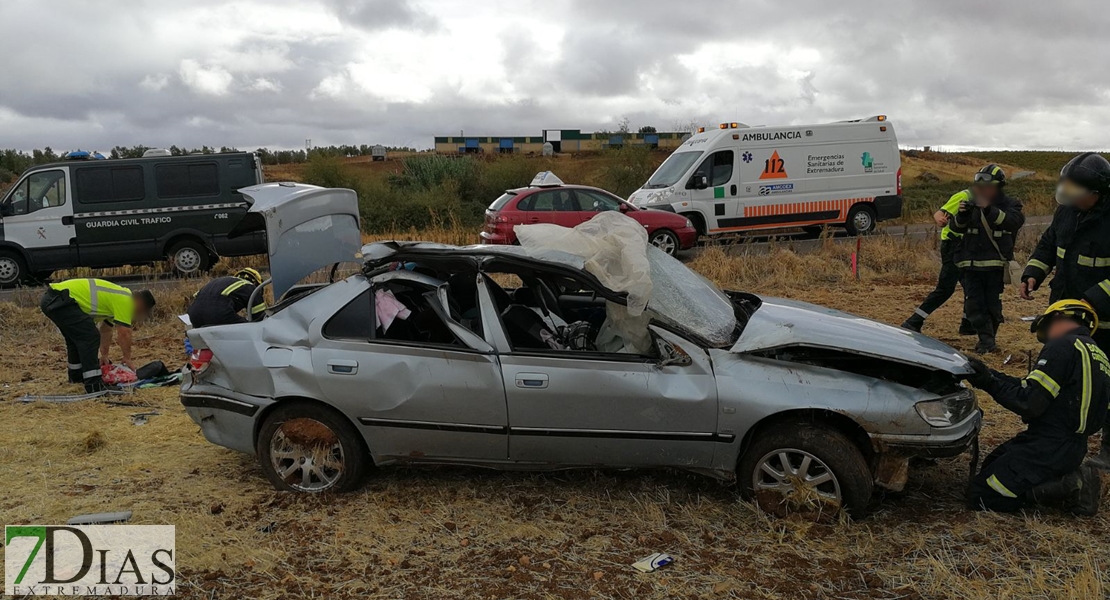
{"x": 624, "y": 207}
{"x": 699, "y": 182}
{"x": 6, "y": 210}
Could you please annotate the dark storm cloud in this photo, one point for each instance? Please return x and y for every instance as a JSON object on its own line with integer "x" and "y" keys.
{"x": 374, "y": 15}
{"x": 246, "y": 73}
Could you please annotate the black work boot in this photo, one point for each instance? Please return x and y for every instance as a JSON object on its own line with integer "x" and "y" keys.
{"x": 914, "y": 323}
{"x": 986, "y": 344}
{"x": 95, "y": 384}
{"x": 1058, "y": 491}
{"x": 966, "y": 327}
{"x": 75, "y": 376}
{"x": 1102, "y": 461}
{"x": 1084, "y": 503}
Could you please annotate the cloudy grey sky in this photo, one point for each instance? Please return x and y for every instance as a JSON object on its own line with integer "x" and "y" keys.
{"x": 249, "y": 73}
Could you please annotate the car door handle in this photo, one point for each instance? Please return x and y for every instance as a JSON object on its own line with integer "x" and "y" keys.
{"x": 531, "y": 381}
{"x": 733, "y": 189}
{"x": 343, "y": 367}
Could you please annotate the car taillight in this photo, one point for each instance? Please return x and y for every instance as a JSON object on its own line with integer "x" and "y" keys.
{"x": 899, "y": 181}
{"x": 200, "y": 359}
{"x": 496, "y": 218}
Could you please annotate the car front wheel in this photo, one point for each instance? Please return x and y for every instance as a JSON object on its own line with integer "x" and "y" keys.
{"x": 805, "y": 469}
{"x": 304, "y": 447}
{"x": 665, "y": 240}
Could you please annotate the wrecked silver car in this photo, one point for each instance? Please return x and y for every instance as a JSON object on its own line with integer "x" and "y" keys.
{"x": 524, "y": 358}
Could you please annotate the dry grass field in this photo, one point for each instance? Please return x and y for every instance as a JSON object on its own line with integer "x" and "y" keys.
{"x": 467, "y": 533}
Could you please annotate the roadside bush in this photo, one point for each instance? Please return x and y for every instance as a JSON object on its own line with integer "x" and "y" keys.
{"x": 506, "y": 173}
{"x": 627, "y": 170}
{"x": 328, "y": 171}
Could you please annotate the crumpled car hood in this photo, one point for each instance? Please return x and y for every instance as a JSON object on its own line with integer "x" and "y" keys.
{"x": 781, "y": 323}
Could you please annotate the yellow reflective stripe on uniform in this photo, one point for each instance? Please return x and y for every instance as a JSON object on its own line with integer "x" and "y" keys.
{"x": 1046, "y": 382}
{"x": 963, "y": 264}
{"x": 996, "y": 170}
{"x": 1001, "y": 218}
{"x": 1097, "y": 261}
{"x": 1060, "y": 252}
{"x": 997, "y": 486}
{"x": 231, "y": 288}
{"x": 258, "y": 308}
{"x": 1104, "y": 285}
{"x": 1085, "y": 395}
{"x": 1040, "y": 265}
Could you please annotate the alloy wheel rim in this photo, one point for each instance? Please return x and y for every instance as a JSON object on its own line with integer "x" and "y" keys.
{"x": 664, "y": 242}
{"x": 790, "y": 471}
{"x": 307, "y": 455}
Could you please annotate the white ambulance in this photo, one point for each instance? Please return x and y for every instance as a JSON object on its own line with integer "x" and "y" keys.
{"x": 738, "y": 178}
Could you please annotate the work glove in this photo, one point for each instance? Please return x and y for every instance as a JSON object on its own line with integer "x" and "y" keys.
{"x": 965, "y": 207}
{"x": 981, "y": 375}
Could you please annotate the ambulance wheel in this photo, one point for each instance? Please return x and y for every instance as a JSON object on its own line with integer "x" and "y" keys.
{"x": 12, "y": 269}
{"x": 861, "y": 220}
{"x": 189, "y": 257}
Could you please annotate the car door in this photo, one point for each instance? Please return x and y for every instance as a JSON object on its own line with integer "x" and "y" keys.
{"x": 40, "y": 219}
{"x": 591, "y": 203}
{"x": 441, "y": 399}
{"x": 590, "y": 408}
{"x": 556, "y": 206}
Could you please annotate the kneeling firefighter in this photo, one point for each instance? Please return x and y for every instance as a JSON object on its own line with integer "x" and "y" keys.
{"x": 1063, "y": 401}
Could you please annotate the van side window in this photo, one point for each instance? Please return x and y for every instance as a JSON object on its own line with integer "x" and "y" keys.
{"x": 179, "y": 181}
{"x": 717, "y": 168}
{"x": 109, "y": 184}
{"x": 39, "y": 190}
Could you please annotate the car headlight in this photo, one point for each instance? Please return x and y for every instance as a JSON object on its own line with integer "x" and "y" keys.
{"x": 947, "y": 410}
{"x": 689, "y": 223}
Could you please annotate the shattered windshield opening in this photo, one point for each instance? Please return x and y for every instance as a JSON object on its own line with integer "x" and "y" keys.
{"x": 689, "y": 301}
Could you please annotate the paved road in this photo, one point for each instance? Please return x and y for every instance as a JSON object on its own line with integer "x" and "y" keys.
{"x": 750, "y": 244}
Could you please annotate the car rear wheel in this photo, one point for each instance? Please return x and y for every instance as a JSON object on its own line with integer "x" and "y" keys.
{"x": 861, "y": 220}
{"x": 12, "y": 269}
{"x": 665, "y": 240}
{"x": 304, "y": 447}
{"x": 189, "y": 257}
{"x": 807, "y": 470}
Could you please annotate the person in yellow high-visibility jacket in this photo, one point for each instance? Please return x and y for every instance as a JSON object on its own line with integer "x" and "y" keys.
{"x": 77, "y": 306}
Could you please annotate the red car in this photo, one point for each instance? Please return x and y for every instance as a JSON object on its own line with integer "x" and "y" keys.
{"x": 549, "y": 200}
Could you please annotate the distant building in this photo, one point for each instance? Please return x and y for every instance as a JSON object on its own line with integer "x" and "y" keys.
{"x": 562, "y": 140}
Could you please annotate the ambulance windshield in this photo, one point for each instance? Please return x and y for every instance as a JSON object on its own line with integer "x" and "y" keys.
{"x": 672, "y": 170}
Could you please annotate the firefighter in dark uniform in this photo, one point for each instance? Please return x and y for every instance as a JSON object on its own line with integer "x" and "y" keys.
{"x": 949, "y": 275}
{"x": 1077, "y": 247}
{"x": 1063, "y": 401}
{"x": 989, "y": 224}
{"x": 221, "y": 300}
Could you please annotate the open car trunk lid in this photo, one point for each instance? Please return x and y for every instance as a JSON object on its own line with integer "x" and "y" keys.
{"x": 307, "y": 228}
{"x": 780, "y": 323}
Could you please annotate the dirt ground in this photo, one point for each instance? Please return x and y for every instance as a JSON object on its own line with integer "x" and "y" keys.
{"x": 467, "y": 533}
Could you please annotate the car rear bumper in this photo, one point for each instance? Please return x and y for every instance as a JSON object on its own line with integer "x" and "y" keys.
{"x": 496, "y": 237}
{"x": 888, "y": 207}
{"x": 226, "y": 418}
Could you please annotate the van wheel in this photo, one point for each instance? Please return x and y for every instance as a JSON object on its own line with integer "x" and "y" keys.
{"x": 807, "y": 470}
{"x": 12, "y": 269}
{"x": 665, "y": 240}
{"x": 189, "y": 257}
{"x": 304, "y": 447}
{"x": 861, "y": 220}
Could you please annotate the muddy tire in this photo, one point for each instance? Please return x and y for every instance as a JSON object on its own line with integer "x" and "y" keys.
{"x": 13, "y": 271}
{"x": 189, "y": 257}
{"x": 309, "y": 448}
{"x": 805, "y": 469}
{"x": 862, "y": 220}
